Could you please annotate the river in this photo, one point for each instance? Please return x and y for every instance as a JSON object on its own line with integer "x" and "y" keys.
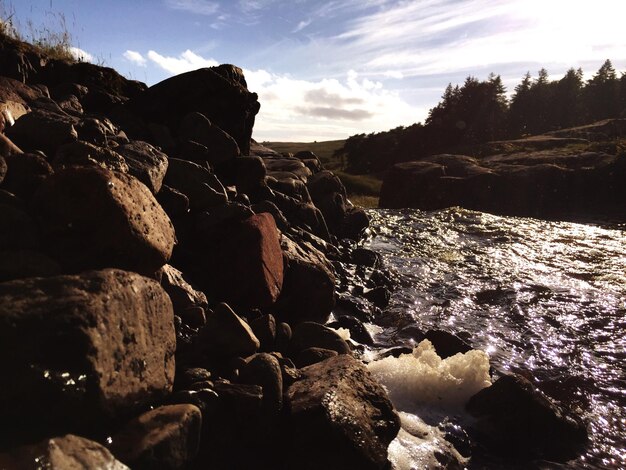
{"x": 545, "y": 299}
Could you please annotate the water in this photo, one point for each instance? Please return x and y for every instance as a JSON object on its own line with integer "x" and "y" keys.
{"x": 544, "y": 299}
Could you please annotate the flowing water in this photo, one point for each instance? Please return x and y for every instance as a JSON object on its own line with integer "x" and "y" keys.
{"x": 544, "y": 299}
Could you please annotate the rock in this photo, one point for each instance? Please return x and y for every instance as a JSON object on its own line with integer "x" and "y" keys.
{"x": 311, "y": 356}
{"x": 358, "y": 332}
{"x": 283, "y": 336}
{"x": 96, "y": 218}
{"x": 379, "y": 296}
{"x": 189, "y": 376}
{"x": 309, "y": 286}
{"x": 219, "y": 93}
{"x": 7, "y": 147}
{"x": 264, "y": 329}
{"x": 221, "y": 147}
{"x": 182, "y": 294}
{"x": 446, "y": 344}
{"x": 68, "y": 452}
{"x": 339, "y": 417}
{"x": 17, "y": 264}
{"x": 226, "y": 335}
{"x": 42, "y": 130}
{"x": 313, "y": 335}
{"x": 518, "y": 422}
{"x": 97, "y": 131}
{"x": 173, "y": 202}
{"x": 25, "y": 173}
{"x": 17, "y": 229}
{"x": 201, "y": 186}
{"x": 365, "y": 257}
{"x": 250, "y": 175}
{"x": 165, "y": 438}
{"x": 82, "y": 350}
{"x": 264, "y": 369}
{"x": 85, "y": 154}
{"x": 244, "y": 257}
{"x": 145, "y": 163}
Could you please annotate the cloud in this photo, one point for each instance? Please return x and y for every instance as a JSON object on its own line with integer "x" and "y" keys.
{"x": 301, "y": 26}
{"x": 185, "y": 62}
{"x": 81, "y": 55}
{"x": 199, "y": 7}
{"x": 136, "y": 58}
{"x": 336, "y": 113}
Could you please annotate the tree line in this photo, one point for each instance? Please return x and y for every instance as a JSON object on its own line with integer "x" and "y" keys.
{"x": 479, "y": 111}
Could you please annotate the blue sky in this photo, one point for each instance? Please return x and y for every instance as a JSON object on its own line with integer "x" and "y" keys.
{"x": 327, "y": 69}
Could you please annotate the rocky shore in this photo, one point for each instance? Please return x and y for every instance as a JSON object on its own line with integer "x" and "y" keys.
{"x": 165, "y": 281}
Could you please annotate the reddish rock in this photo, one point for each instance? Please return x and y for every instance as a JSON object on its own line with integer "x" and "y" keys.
{"x": 94, "y": 218}
{"x": 145, "y": 163}
{"x": 43, "y": 130}
{"x": 82, "y": 350}
{"x": 227, "y": 335}
{"x": 85, "y": 154}
{"x": 166, "y": 438}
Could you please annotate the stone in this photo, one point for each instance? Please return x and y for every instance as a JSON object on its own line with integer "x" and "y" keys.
{"x": 264, "y": 329}
{"x": 97, "y": 131}
{"x": 219, "y": 93}
{"x": 17, "y": 264}
{"x": 310, "y": 356}
{"x": 25, "y": 173}
{"x": 250, "y": 175}
{"x": 264, "y": 369}
{"x": 195, "y": 127}
{"x": 67, "y": 452}
{"x": 446, "y": 344}
{"x": 309, "y": 286}
{"x": 379, "y": 296}
{"x": 227, "y": 335}
{"x": 515, "y": 420}
{"x": 182, "y": 294}
{"x": 201, "y": 186}
{"x": 339, "y": 417}
{"x": 173, "y": 202}
{"x": 165, "y": 438}
{"x": 7, "y": 147}
{"x": 313, "y": 335}
{"x": 82, "y": 350}
{"x": 145, "y": 163}
{"x": 18, "y": 230}
{"x": 42, "y": 130}
{"x": 85, "y": 154}
{"x": 244, "y": 257}
{"x": 95, "y": 218}
{"x": 189, "y": 376}
{"x": 357, "y": 329}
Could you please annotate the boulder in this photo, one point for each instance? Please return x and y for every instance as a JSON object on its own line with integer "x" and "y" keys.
{"x": 357, "y": 329}
{"x": 82, "y": 350}
{"x": 85, "y": 154}
{"x": 165, "y": 438}
{"x": 173, "y": 202}
{"x": 201, "y": 186}
{"x": 145, "y": 163}
{"x": 309, "y": 286}
{"x": 264, "y": 369}
{"x": 17, "y": 264}
{"x": 18, "y": 230}
{"x": 42, "y": 130}
{"x": 182, "y": 294}
{"x": 7, "y": 147}
{"x": 313, "y": 335}
{"x": 519, "y": 422}
{"x": 95, "y": 218}
{"x": 219, "y": 93}
{"x": 339, "y": 417}
{"x": 67, "y": 452}
{"x": 244, "y": 257}
{"x": 311, "y": 356}
{"x": 226, "y": 335}
{"x": 264, "y": 328}
{"x": 25, "y": 173}
{"x": 195, "y": 127}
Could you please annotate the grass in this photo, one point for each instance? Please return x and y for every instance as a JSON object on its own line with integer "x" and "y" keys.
{"x": 324, "y": 150}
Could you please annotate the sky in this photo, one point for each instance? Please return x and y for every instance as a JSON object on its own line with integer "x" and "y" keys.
{"x": 328, "y": 69}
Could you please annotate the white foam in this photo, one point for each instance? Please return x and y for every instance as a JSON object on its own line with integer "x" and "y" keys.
{"x": 425, "y": 378}
{"x": 343, "y": 332}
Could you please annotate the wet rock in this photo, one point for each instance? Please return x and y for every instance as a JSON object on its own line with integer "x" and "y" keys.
{"x": 18, "y": 264}
{"x": 310, "y": 356}
{"x": 145, "y": 163}
{"x": 446, "y": 344}
{"x": 42, "y": 130}
{"x": 85, "y": 154}
{"x": 182, "y": 294}
{"x": 358, "y": 332}
{"x": 61, "y": 453}
{"x": 98, "y": 218}
{"x": 195, "y": 127}
{"x": 201, "y": 186}
{"x": 244, "y": 257}
{"x": 379, "y": 296}
{"x": 164, "y": 438}
{"x": 365, "y": 257}
{"x": 82, "y": 350}
{"x": 264, "y": 329}
{"x": 313, "y": 335}
{"x": 264, "y": 369}
{"x": 339, "y": 417}
{"x": 219, "y": 93}
{"x": 519, "y": 422}
{"x": 309, "y": 285}
{"x": 227, "y": 335}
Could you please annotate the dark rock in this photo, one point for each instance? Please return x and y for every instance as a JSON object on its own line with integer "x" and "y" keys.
{"x": 227, "y": 335}
{"x": 219, "y": 93}
{"x": 165, "y": 438}
{"x": 313, "y": 335}
{"x": 201, "y": 186}
{"x": 189, "y": 376}
{"x": 97, "y": 131}
{"x": 379, "y": 296}
{"x": 71, "y": 105}
{"x": 283, "y": 336}
{"x": 81, "y": 350}
{"x": 264, "y": 329}
{"x": 86, "y": 154}
{"x": 17, "y": 229}
{"x": 25, "y": 174}
{"x": 18, "y": 264}
{"x": 7, "y": 147}
{"x": 42, "y": 130}
{"x": 518, "y": 422}
{"x": 173, "y": 202}
{"x": 365, "y": 257}
{"x": 182, "y": 294}
{"x": 205, "y": 399}
{"x": 264, "y": 369}
{"x": 220, "y": 146}
{"x": 354, "y": 223}
{"x": 145, "y": 163}
{"x": 446, "y": 344}
{"x": 61, "y": 453}
{"x": 250, "y": 175}
{"x": 339, "y": 417}
{"x": 194, "y": 317}
{"x": 311, "y": 356}
{"x": 309, "y": 285}
{"x": 98, "y": 218}
{"x": 358, "y": 332}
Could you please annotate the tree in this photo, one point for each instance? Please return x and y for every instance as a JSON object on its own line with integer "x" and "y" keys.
{"x": 601, "y": 96}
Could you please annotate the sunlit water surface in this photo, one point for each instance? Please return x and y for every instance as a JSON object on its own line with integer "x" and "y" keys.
{"x": 544, "y": 299}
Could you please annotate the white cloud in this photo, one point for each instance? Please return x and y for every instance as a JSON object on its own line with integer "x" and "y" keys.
{"x": 301, "y": 26}
{"x": 136, "y": 58}
{"x": 200, "y": 7}
{"x": 81, "y": 55}
{"x": 185, "y": 62}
